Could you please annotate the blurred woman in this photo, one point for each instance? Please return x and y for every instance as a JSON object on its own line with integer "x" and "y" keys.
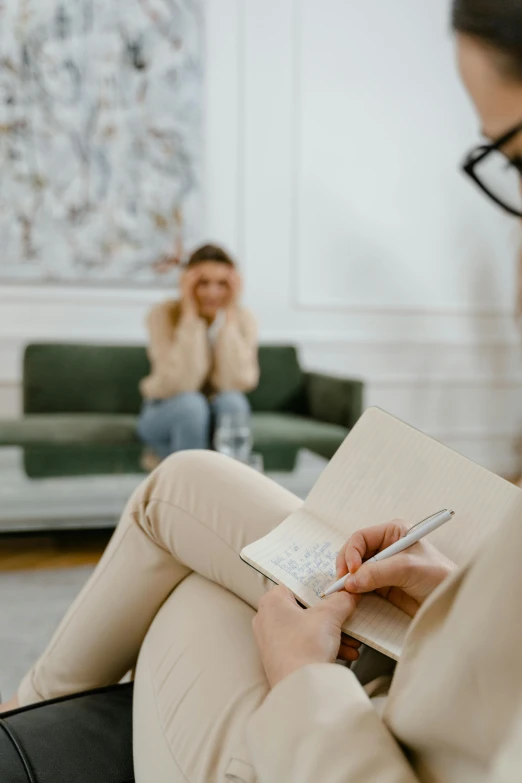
{"x": 203, "y": 355}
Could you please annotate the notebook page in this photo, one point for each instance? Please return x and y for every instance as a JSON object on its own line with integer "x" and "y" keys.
{"x": 300, "y": 553}
{"x": 385, "y": 469}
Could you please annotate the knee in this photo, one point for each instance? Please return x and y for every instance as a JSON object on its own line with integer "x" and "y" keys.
{"x": 232, "y": 402}
{"x": 191, "y": 406}
{"x": 189, "y": 467}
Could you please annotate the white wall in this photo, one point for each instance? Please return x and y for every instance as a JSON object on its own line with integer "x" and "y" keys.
{"x": 334, "y": 130}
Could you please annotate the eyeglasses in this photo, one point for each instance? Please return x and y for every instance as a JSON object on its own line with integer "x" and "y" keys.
{"x": 498, "y": 175}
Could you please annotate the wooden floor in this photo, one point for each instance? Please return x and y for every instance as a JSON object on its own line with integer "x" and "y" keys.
{"x": 60, "y": 550}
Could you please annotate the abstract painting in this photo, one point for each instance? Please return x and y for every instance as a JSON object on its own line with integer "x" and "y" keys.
{"x": 100, "y": 139}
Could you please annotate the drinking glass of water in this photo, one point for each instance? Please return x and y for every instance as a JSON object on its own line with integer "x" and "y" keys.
{"x": 233, "y": 435}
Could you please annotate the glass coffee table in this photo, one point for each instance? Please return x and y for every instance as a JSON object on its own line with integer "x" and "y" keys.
{"x": 52, "y": 488}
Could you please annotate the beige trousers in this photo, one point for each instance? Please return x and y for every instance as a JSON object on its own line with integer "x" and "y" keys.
{"x": 171, "y": 593}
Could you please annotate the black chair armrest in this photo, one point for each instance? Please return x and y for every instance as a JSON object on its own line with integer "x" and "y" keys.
{"x": 82, "y": 738}
{"x": 334, "y": 400}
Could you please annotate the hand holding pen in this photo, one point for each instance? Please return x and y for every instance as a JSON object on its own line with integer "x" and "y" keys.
{"x": 394, "y": 560}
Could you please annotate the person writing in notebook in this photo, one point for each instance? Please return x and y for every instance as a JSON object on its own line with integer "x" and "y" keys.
{"x": 215, "y": 701}
{"x": 203, "y": 355}
{"x": 406, "y": 580}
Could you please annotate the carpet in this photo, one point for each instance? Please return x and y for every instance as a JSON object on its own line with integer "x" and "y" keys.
{"x": 32, "y": 603}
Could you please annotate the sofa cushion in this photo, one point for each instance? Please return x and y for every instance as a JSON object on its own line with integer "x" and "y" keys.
{"x": 268, "y": 428}
{"x": 48, "y": 460}
{"x": 68, "y": 428}
{"x": 285, "y": 429}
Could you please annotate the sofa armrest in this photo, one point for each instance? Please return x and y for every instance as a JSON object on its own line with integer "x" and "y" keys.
{"x": 334, "y": 400}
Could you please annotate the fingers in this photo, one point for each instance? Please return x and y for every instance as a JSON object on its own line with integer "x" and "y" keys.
{"x": 341, "y": 567}
{"x": 394, "y": 572}
{"x": 277, "y": 595}
{"x": 188, "y": 281}
{"x": 399, "y": 598}
{"x": 350, "y": 641}
{"x": 366, "y": 543}
{"x": 195, "y": 275}
{"x": 235, "y": 284}
{"x": 235, "y": 277}
{"x": 348, "y": 654}
{"x": 192, "y": 275}
{"x": 349, "y": 649}
{"x": 339, "y": 605}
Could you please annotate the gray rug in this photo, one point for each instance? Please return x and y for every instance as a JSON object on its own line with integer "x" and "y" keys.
{"x": 32, "y": 603}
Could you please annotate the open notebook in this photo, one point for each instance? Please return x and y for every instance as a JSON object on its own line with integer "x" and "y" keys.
{"x": 384, "y": 470}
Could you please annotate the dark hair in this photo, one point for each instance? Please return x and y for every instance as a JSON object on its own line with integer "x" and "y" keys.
{"x": 497, "y": 23}
{"x": 210, "y": 253}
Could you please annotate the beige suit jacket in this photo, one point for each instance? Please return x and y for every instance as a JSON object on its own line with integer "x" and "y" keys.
{"x": 182, "y": 359}
{"x": 454, "y": 712}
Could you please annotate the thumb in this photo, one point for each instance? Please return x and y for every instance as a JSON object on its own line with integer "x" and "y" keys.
{"x": 372, "y": 576}
{"x": 340, "y": 606}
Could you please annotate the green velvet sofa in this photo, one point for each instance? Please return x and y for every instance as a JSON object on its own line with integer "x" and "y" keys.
{"x": 81, "y": 404}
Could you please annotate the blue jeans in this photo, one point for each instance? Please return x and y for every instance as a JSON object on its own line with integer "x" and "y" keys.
{"x": 185, "y": 421}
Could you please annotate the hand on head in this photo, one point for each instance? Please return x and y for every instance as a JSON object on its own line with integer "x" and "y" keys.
{"x": 235, "y": 285}
{"x": 188, "y": 284}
